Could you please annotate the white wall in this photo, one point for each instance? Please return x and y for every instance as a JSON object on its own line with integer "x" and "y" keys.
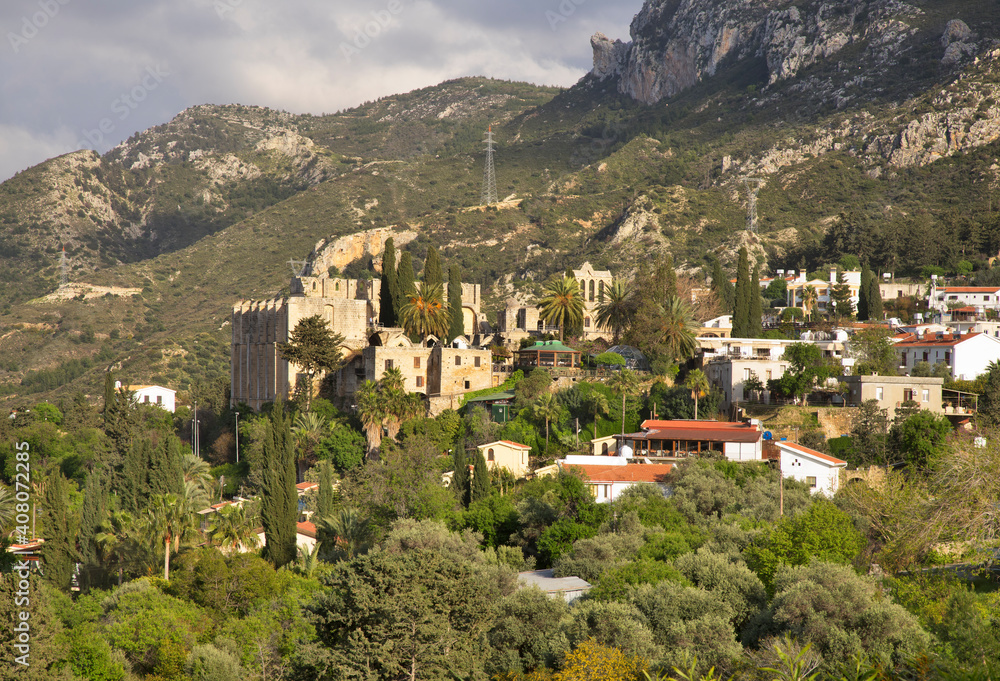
{"x": 800, "y": 467}
{"x": 158, "y": 395}
{"x": 743, "y": 451}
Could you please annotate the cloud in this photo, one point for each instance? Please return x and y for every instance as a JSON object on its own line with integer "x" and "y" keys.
{"x": 73, "y": 65}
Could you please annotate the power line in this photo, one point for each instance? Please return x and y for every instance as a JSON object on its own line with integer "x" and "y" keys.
{"x": 489, "y": 195}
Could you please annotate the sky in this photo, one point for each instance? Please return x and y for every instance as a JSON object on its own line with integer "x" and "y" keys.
{"x": 77, "y": 73}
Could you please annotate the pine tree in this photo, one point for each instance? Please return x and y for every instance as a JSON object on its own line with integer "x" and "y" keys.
{"x": 481, "y": 487}
{"x": 863, "y": 291}
{"x": 433, "y": 274}
{"x": 91, "y": 517}
{"x": 279, "y": 501}
{"x": 405, "y": 281}
{"x": 756, "y": 317}
{"x": 460, "y": 481}
{"x": 722, "y": 288}
{"x": 741, "y": 306}
{"x": 324, "y": 501}
{"x": 841, "y": 297}
{"x": 389, "y": 291}
{"x": 58, "y": 551}
{"x": 455, "y": 303}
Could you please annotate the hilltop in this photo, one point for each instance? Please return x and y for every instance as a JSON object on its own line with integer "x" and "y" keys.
{"x": 873, "y": 123}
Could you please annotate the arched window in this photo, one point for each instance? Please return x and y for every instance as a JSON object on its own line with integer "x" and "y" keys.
{"x": 600, "y": 291}
{"x": 591, "y": 290}
{"x": 604, "y": 448}
{"x": 489, "y": 455}
{"x": 336, "y": 286}
{"x": 314, "y": 286}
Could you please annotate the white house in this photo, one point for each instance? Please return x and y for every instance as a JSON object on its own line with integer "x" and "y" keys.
{"x": 609, "y": 476}
{"x": 681, "y": 438}
{"x": 164, "y": 398}
{"x": 818, "y": 470}
{"x": 983, "y": 297}
{"x": 824, "y": 290}
{"x": 966, "y": 356}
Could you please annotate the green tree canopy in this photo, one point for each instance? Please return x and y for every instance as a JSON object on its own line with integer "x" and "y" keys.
{"x": 313, "y": 347}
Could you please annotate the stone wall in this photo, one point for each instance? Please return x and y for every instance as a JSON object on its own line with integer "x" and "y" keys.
{"x": 258, "y": 374}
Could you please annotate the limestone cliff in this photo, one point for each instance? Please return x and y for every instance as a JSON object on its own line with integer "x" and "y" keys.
{"x": 677, "y": 43}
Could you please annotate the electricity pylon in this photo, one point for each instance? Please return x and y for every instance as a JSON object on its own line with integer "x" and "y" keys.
{"x": 489, "y": 195}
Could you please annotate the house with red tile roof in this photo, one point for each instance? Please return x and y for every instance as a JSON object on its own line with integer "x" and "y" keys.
{"x": 682, "y": 438}
{"x": 818, "y": 470}
{"x": 966, "y": 356}
{"x": 609, "y": 476}
{"x": 946, "y": 297}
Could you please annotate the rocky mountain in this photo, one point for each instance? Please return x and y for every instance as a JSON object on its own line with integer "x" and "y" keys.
{"x": 871, "y": 125}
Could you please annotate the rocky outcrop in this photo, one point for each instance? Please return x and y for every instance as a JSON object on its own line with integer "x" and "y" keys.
{"x": 344, "y": 250}
{"x": 957, "y": 41}
{"x": 676, "y": 43}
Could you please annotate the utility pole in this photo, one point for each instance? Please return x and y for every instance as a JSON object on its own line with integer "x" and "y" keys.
{"x": 237, "y": 437}
{"x": 489, "y": 193}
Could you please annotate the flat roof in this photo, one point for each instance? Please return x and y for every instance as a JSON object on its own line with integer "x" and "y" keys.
{"x": 547, "y": 581}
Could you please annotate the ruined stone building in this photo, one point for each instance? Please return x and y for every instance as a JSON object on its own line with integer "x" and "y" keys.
{"x": 349, "y": 306}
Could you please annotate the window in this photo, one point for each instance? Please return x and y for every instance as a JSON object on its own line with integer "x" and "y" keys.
{"x": 907, "y": 394}
{"x": 489, "y": 455}
{"x": 591, "y": 290}
{"x": 746, "y": 374}
{"x": 925, "y": 355}
{"x": 811, "y": 480}
{"x": 416, "y": 362}
{"x": 159, "y": 399}
{"x": 925, "y": 396}
{"x": 458, "y": 360}
{"x": 478, "y": 362}
{"x": 336, "y": 286}
{"x": 879, "y": 394}
{"x": 986, "y": 298}
{"x": 420, "y": 381}
{"x": 586, "y": 322}
{"x": 388, "y": 364}
{"x": 604, "y": 449}
{"x": 769, "y": 374}
{"x": 947, "y": 357}
{"x": 467, "y": 385}
{"x": 145, "y": 398}
{"x": 600, "y": 292}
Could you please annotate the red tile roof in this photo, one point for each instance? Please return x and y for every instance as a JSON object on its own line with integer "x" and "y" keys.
{"x": 515, "y": 444}
{"x": 712, "y": 431}
{"x": 633, "y": 472}
{"x": 303, "y": 486}
{"x": 812, "y": 452}
{"x": 307, "y": 529}
{"x": 932, "y": 341}
{"x": 968, "y": 289}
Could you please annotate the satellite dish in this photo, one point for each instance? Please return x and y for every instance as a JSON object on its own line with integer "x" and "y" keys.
{"x": 767, "y": 435}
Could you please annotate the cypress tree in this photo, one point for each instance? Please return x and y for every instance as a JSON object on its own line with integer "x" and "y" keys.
{"x": 722, "y": 288}
{"x": 433, "y": 274}
{"x": 741, "y": 307}
{"x": 58, "y": 551}
{"x": 481, "y": 487}
{"x": 91, "y": 516}
{"x": 875, "y": 308}
{"x": 460, "y": 481}
{"x": 324, "y": 501}
{"x": 279, "y": 501}
{"x": 457, "y": 327}
{"x": 863, "y": 290}
{"x": 405, "y": 280}
{"x": 132, "y": 485}
{"x": 166, "y": 474}
{"x": 666, "y": 279}
{"x": 389, "y": 289}
{"x": 756, "y": 318}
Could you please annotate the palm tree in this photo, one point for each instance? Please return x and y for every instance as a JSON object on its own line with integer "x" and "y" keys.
{"x": 423, "y": 314}
{"x": 231, "y": 529}
{"x": 197, "y": 471}
{"x": 307, "y": 561}
{"x": 676, "y": 331}
{"x": 345, "y": 535}
{"x": 599, "y": 406}
{"x": 7, "y": 507}
{"x": 697, "y": 383}
{"x": 616, "y": 310}
{"x": 371, "y": 410}
{"x": 168, "y": 520}
{"x": 547, "y": 408}
{"x": 308, "y": 430}
{"x": 809, "y": 300}
{"x": 561, "y": 303}
{"x": 625, "y": 381}
{"x": 116, "y": 540}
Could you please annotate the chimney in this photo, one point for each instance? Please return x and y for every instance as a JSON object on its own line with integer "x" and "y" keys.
{"x": 833, "y": 276}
